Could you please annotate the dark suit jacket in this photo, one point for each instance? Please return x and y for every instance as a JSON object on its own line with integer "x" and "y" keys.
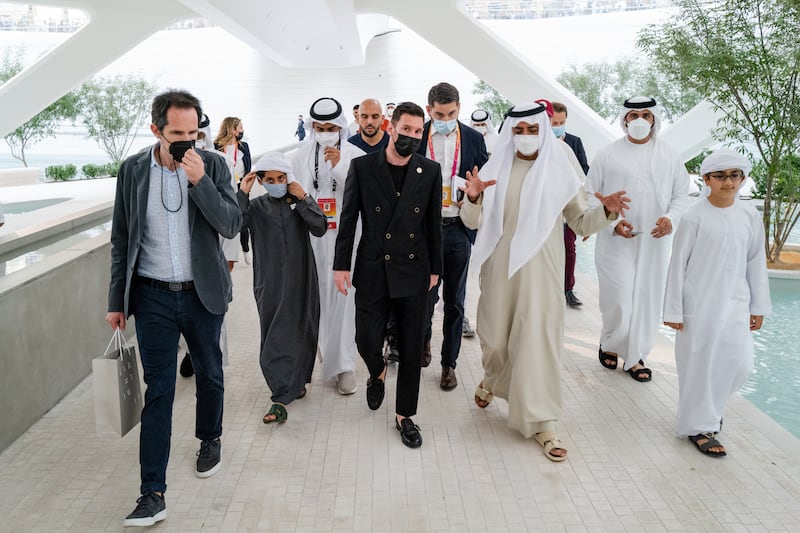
{"x": 576, "y": 144}
{"x": 473, "y": 154}
{"x": 213, "y": 211}
{"x": 401, "y": 237}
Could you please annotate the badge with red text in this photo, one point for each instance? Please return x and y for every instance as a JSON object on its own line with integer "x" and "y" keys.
{"x": 328, "y": 206}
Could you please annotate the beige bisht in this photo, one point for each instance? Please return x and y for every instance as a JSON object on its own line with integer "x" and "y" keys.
{"x": 520, "y": 249}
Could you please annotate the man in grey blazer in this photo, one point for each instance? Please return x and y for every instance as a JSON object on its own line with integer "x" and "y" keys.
{"x": 168, "y": 270}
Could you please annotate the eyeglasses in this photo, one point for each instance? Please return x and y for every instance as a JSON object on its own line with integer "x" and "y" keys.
{"x": 261, "y": 174}
{"x": 734, "y": 176}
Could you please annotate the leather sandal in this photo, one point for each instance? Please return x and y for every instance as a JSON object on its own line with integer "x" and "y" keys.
{"x": 549, "y": 441}
{"x": 605, "y": 357}
{"x": 278, "y": 411}
{"x": 710, "y": 442}
{"x": 642, "y": 374}
{"x": 483, "y": 397}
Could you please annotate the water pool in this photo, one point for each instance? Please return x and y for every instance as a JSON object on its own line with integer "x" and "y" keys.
{"x": 18, "y": 208}
{"x": 774, "y": 386}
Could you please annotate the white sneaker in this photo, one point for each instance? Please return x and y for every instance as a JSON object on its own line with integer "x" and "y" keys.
{"x": 347, "y": 383}
{"x": 248, "y": 258}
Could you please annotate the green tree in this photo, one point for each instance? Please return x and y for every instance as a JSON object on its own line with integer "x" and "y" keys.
{"x": 46, "y": 123}
{"x": 113, "y": 109}
{"x": 604, "y": 86}
{"x": 491, "y": 101}
{"x": 743, "y": 57}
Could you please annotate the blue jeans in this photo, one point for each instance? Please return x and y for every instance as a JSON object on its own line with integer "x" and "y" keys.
{"x": 161, "y": 317}
{"x": 456, "y": 250}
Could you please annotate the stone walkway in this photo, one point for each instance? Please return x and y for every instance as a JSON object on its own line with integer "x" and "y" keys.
{"x": 337, "y": 466}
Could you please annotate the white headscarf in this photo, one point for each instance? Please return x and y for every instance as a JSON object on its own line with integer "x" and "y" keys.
{"x": 275, "y": 161}
{"x": 206, "y": 143}
{"x": 724, "y": 159}
{"x": 641, "y": 102}
{"x": 549, "y": 185}
{"x": 482, "y": 116}
{"x": 327, "y": 111}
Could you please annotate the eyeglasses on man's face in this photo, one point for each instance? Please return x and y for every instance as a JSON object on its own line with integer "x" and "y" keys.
{"x": 734, "y": 176}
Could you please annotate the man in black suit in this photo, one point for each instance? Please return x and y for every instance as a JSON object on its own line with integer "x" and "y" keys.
{"x": 458, "y": 149}
{"x": 558, "y": 121}
{"x": 397, "y": 194}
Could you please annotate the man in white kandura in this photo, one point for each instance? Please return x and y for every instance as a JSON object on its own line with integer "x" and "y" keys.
{"x": 717, "y": 294}
{"x": 632, "y": 256}
{"x": 320, "y": 166}
{"x": 520, "y": 249}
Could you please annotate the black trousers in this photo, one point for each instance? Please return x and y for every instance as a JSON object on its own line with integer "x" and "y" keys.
{"x": 372, "y": 312}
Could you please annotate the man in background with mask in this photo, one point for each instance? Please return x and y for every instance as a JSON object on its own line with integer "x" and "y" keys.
{"x": 167, "y": 270}
{"x": 458, "y": 149}
{"x": 388, "y": 116}
{"x": 320, "y": 166}
{"x": 532, "y": 183}
{"x": 396, "y": 194}
{"x": 559, "y": 123}
{"x": 632, "y": 256}
{"x": 481, "y": 121}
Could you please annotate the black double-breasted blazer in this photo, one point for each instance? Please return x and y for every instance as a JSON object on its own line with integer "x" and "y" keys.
{"x": 401, "y": 232}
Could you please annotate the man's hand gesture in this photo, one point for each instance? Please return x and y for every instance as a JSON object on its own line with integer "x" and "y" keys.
{"x": 475, "y": 187}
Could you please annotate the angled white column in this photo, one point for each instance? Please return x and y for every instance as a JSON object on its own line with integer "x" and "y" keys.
{"x": 692, "y": 132}
{"x": 116, "y": 26}
{"x": 447, "y": 26}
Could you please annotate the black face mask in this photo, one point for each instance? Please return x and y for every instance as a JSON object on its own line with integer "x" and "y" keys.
{"x": 405, "y": 145}
{"x": 240, "y": 136}
{"x": 179, "y": 148}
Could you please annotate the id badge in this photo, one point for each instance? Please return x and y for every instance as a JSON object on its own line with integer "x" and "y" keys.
{"x": 328, "y": 206}
{"x": 446, "y": 199}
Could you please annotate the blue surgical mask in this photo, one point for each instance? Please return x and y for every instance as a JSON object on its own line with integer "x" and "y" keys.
{"x": 444, "y": 126}
{"x": 276, "y": 190}
{"x": 559, "y": 131}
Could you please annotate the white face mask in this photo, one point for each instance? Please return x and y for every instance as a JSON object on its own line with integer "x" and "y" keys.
{"x": 526, "y": 144}
{"x": 483, "y": 130}
{"x": 327, "y": 139}
{"x": 639, "y": 129}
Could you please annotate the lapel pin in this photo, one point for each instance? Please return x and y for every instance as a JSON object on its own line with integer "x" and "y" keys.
{"x": 419, "y": 170}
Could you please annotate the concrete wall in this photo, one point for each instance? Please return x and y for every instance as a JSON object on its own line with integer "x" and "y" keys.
{"x": 51, "y": 327}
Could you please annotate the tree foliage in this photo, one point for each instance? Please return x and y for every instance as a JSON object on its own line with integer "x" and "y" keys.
{"x": 742, "y": 56}
{"x": 492, "y": 101}
{"x": 604, "y": 86}
{"x": 113, "y": 109}
{"x": 46, "y": 123}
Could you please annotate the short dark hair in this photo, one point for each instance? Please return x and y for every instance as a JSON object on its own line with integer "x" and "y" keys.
{"x": 355, "y": 107}
{"x": 558, "y": 107}
{"x": 173, "y": 98}
{"x": 443, "y": 93}
{"x": 406, "y": 108}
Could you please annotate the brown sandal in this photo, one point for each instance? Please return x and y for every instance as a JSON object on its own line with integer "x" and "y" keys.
{"x": 483, "y": 397}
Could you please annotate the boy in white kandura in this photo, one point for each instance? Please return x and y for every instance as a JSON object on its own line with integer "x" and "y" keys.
{"x": 717, "y": 293}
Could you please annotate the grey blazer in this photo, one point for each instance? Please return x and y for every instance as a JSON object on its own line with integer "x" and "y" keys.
{"x": 213, "y": 211}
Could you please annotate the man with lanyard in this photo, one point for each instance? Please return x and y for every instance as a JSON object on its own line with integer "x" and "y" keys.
{"x": 457, "y": 148}
{"x": 320, "y": 165}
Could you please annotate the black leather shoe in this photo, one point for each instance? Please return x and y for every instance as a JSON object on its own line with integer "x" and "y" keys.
{"x": 375, "y": 392}
{"x": 572, "y": 300}
{"x": 409, "y": 432}
{"x": 187, "y": 370}
{"x": 426, "y": 354}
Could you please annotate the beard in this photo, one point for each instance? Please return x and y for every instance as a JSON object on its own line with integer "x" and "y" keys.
{"x": 366, "y": 132}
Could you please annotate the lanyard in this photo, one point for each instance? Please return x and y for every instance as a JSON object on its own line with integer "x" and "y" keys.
{"x": 455, "y": 153}
{"x": 316, "y": 170}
